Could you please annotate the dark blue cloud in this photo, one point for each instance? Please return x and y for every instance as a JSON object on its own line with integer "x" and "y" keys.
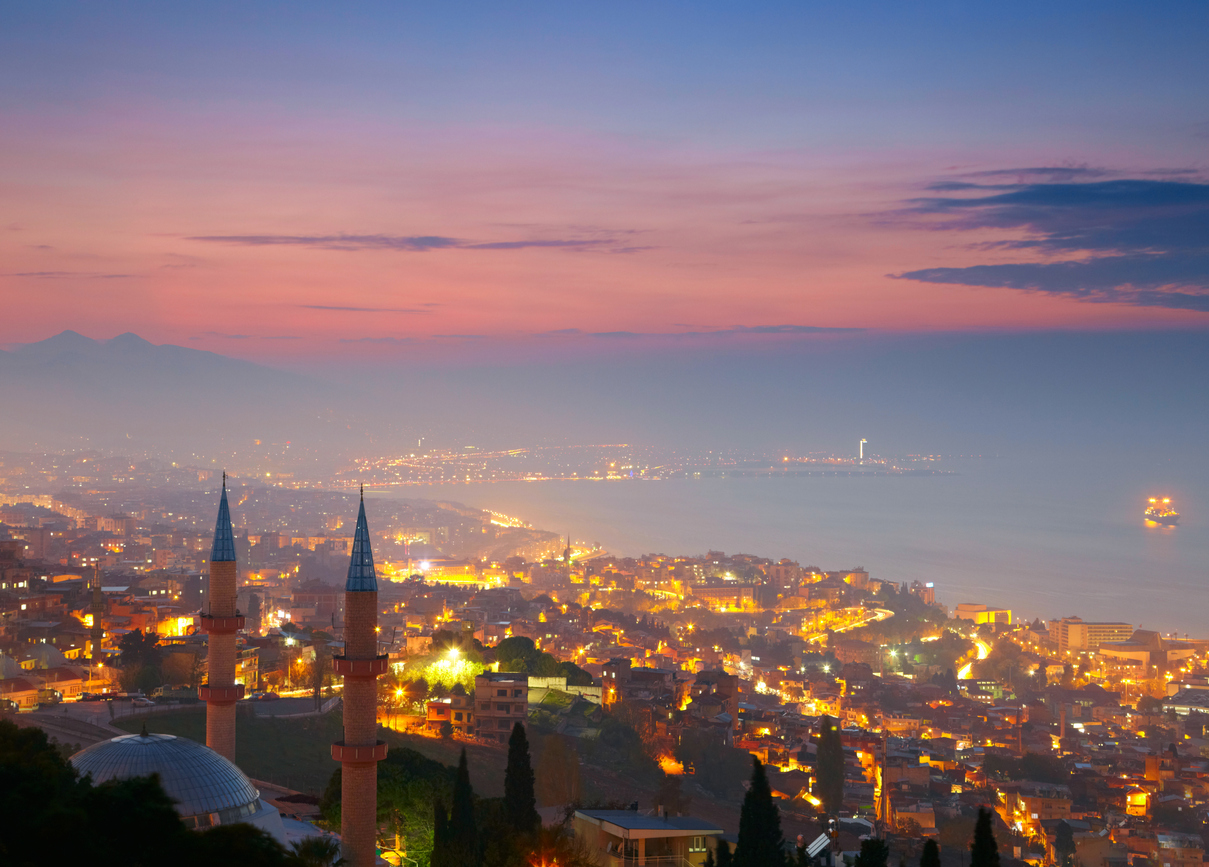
{"x": 1140, "y": 241}
{"x": 424, "y": 308}
{"x": 412, "y": 243}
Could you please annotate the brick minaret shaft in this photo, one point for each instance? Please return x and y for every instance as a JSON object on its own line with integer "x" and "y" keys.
{"x": 98, "y": 614}
{"x": 360, "y": 751}
{"x": 220, "y": 622}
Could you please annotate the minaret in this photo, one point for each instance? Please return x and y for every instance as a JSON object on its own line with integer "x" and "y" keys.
{"x": 360, "y": 751}
{"x": 220, "y": 692}
{"x": 98, "y": 614}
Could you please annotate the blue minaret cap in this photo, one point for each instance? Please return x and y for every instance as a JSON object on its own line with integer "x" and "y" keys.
{"x": 224, "y": 537}
{"x": 361, "y": 576}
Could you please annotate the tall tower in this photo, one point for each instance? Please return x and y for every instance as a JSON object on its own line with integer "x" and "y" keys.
{"x": 360, "y": 751}
{"x": 98, "y": 612}
{"x": 220, "y": 623}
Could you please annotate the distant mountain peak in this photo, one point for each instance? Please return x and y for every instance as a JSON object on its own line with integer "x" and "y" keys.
{"x": 130, "y": 339}
{"x": 64, "y": 341}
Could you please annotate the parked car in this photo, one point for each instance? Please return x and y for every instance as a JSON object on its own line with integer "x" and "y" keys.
{"x": 142, "y": 702}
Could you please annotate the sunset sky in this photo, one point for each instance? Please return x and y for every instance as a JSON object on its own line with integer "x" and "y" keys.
{"x": 300, "y": 180}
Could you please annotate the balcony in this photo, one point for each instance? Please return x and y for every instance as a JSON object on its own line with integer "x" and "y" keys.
{"x": 606, "y": 859}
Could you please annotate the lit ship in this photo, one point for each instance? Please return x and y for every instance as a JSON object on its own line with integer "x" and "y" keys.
{"x": 1160, "y": 512}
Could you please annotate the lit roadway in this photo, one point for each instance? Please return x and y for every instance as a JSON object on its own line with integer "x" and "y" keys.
{"x": 875, "y": 615}
{"x": 984, "y": 650}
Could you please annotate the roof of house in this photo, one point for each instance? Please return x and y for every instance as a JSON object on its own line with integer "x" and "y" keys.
{"x": 632, "y": 824}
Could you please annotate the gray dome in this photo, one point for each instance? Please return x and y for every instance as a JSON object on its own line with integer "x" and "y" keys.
{"x": 206, "y": 788}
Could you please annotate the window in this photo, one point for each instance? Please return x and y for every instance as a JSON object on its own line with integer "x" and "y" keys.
{"x": 484, "y": 705}
{"x": 503, "y": 708}
{"x": 501, "y": 693}
{"x": 697, "y": 845}
{"x": 457, "y": 717}
{"x": 516, "y": 693}
{"x": 503, "y": 724}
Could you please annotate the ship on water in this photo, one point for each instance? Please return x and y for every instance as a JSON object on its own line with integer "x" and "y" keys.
{"x": 1160, "y": 512}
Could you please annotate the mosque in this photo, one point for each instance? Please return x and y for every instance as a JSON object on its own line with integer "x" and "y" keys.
{"x": 203, "y": 781}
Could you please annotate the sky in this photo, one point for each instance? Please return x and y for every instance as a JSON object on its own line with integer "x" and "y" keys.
{"x": 300, "y": 183}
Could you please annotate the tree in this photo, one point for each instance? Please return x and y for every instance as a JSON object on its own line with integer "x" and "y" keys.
{"x": 557, "y": 777}
{"x": 319, "y": 672}
{"x": 830, "y": 766}
{"x": 520, "y": 803}
{"x": 984, "y": 851}
{"x": 131, "y": 822}
{"x": 671, "y": 795}
{"x": 139, "y": 649}
{"x": 931, "y": 855}
{"x": 874, "y": 853}
{"x": 456, "y": 838}
{"x": 760, "y": 840}
{"x": 1064, "y": 845}
{"x": 723, "y": 857}
{"x": 318, "y": 852}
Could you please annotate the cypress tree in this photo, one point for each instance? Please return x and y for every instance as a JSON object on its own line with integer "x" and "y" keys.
{"x": 440, "y": 835}
{"x": 931, "y": 856}
{"x": 520, "y": 804}
{"x": 984, "y": 852}
{"x": 462, "y": 837}
{"x": 1064, "y": 845}
{"x": 830, "y": 767}
{"x": 760, "y": 840}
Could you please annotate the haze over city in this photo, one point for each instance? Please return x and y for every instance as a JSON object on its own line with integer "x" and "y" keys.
{"x": 866, "y": 341}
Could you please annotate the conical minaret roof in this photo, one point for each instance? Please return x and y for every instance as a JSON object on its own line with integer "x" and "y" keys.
{"x": 224, "y": 536}
{"x": 361, "y": 575}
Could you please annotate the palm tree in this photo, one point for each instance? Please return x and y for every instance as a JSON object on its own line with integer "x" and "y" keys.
{"x": 318, "y": 852}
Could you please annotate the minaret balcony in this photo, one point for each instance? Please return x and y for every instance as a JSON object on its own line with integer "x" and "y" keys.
{"x": 220, "y": 694}
{"x": 212, "y": 625}
{"x": 367, "y": 753}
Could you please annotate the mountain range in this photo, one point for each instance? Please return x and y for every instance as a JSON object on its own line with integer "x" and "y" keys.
{"x": 127, "y": 393}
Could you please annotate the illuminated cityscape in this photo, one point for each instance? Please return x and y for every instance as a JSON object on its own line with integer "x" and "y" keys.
{"x": 604, "y": 435}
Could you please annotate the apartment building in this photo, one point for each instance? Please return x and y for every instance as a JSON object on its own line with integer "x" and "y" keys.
{"x": 501, "y": 699}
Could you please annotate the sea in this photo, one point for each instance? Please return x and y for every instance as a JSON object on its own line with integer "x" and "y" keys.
{"x": 1045, "y": 538}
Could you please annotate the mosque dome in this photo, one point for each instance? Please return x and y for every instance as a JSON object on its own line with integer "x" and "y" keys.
{"x": 205, "y": 788}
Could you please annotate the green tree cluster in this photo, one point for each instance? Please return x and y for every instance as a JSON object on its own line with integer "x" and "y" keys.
{"x": 520, "y": 654}
{"x": 716, "y": 768}
{"x": 434, "y": 816}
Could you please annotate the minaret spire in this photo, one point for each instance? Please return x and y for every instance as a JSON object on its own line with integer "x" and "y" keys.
{"x": 223, "y": 549}
{"x": 361, "y": 574}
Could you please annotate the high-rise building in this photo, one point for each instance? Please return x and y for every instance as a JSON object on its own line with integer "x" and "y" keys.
{"x": 360, "y": 751}
{"x": 1076, "y": 634}
{"x": 220, "y": 623}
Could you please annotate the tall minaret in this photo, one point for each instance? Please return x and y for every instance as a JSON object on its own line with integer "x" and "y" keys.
{"x": 220, "y": 692}
{"x": 360, "y": 751}
{"x": 98, "y": 614}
